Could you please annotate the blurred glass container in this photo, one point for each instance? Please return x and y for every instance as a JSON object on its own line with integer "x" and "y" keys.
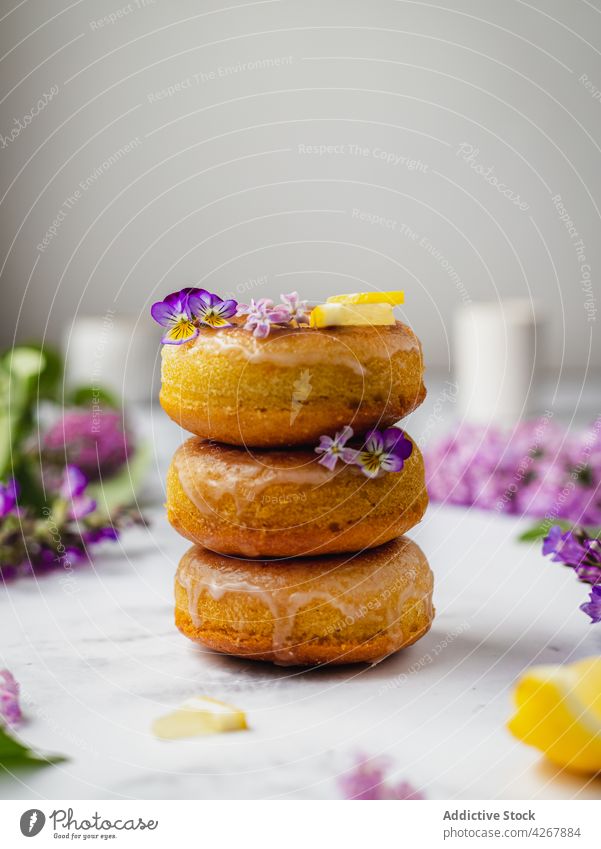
{"x": 496, "y": 349}
{"x": 118, "y": 353}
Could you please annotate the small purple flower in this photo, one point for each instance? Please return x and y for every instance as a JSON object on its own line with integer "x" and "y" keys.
{"x": 297, "y": 309}
{"x": 367, "y": 781}
{"x": 384, "y": 451}
{"x": 333, "y": 449}
{"x": 592, "y": 607}
{"x": 10, "y": 710}
{"x": 174, "y": 312}
{"x": 261, "y": 315}
{"x": 9, "y": 492}
{"x": 72, "y": 490}
{"x": 577, "y": 549}
{"x": 210, "y": 309}
{"x": 103, "y": 534}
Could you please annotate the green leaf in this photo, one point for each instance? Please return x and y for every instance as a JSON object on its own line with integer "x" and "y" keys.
{"x": 122, "y": 489}
{"x": 540, "y": 529}
{"x": 16, "y": 755}
{"x": 26, "y": 362}
{"x": 87, "y": 396}
{"x": 50, "y": 378}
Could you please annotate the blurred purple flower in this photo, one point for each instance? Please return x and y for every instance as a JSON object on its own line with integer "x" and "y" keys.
{"x": 96, "y": 441}
{"x": 9, "y": 492}
{"x": 261, "y": 315}
{"x": 536, "y": 469}
{"x": 367, "y": 781}
{"x": 592, "y": 607}
{"x": 72, "y": 490}
{"x": 175, "y": 313}
{"x": 384, "y": 451}
{"x": 333, "y": 449}
{"x": 10, "y": 710}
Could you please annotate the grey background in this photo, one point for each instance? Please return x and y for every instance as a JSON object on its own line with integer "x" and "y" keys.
{"x": 218, "y": 188}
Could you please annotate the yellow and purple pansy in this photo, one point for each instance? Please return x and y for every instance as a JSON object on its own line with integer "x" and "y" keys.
{"x": 181, "y": 312}
{"x": 383, "y": 451}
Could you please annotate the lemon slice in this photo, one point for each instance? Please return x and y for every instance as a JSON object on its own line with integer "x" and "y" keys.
{"x": 340, "y": 315}
{"x": 393, "y": 298}
{"x": 559, "y": 712}
{"x": 199, "y": 715}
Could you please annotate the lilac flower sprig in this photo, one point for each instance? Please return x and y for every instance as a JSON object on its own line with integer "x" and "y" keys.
{"x": 536, "y": 469}
{"x": 383, "y": 451}
{"x": 367, "y": 781}
{"x": 59, "y": 537}
{"x": 262, "y": 315}
{"x": 333, "y": 449}
{"x": 581, "y": 552}
{"x": 182, "y": 312}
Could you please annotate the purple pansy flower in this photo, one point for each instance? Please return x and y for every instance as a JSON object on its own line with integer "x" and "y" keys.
{"x": 297, "y": 309}
{"x": 592, "y": 607}
{"x": 384, "y": 451}
{"x": 210, "y": 309}
{"x": 175, "y": 313}
{"x": 333, "y": 449}
{"x": 261, "y": 314}
{"x": 367, "y": 781}
{"x": 10, "y": 711}
{"x": 72, "y": 490}
{"x": 9, "y": 492}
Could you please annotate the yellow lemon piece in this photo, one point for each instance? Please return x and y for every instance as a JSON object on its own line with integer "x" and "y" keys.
{"x": 339, "y": 315}
{"x": 393, "y": 298}
{"x": 559, "y": 712}
{"x": 199, "y": 715}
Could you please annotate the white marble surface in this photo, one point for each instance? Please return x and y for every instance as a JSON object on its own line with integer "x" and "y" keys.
{"x": 99, "y": 658}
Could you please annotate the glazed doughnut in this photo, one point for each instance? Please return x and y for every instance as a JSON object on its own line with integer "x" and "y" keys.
{"x": 292, "y": 386}
{"x": 285, "y": 504}
{"x": 333, "y": 609}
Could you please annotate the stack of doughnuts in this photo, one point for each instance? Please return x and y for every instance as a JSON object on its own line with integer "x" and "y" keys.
{"x": 296, "y": 561}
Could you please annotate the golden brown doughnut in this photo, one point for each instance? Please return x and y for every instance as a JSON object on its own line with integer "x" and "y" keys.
{"x": 264, "y": 503}
{"x": 292, "y": 386}
{"x": 333, "y": 609}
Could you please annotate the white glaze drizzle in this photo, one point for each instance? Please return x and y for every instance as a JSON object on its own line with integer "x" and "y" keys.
{"x": 271, "y": 352}
{"x": 284, "y": 606}
{"x": 206, "y": 484}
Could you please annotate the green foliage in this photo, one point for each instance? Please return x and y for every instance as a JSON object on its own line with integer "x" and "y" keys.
{"x": 15, "y": 755}
{"x": 540, "y": 529}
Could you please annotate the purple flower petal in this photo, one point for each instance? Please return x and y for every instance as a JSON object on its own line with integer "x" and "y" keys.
{"x": 9, "y": 493}
{"x": 552, "y": 540}
{"x": 81, "y": 506}
{"x": 367, "y": 781}
{"x": 73, "y": 483}
{"x": 10, "y": 710}
{"x": 391, "y": 462}
{"x": 333, "y": 449}
{"x": 374, "y": 441}
{"x": 592, "y": 607}
{"x": 396, "y": 440}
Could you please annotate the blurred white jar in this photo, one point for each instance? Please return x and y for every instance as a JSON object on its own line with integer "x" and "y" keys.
{"x": 496, "y": 347}
{"x": 118, "y": 353}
